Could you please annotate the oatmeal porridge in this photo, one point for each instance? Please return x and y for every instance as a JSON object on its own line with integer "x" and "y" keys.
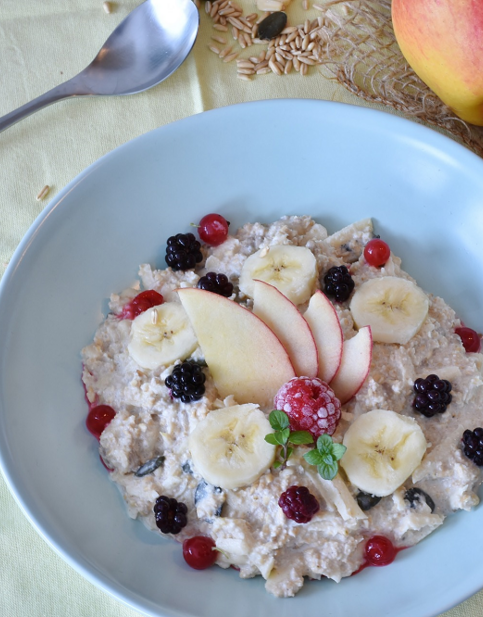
{"x": 377, "y": 386}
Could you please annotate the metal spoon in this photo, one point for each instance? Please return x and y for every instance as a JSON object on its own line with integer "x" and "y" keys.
{"x": 146, "y": 48}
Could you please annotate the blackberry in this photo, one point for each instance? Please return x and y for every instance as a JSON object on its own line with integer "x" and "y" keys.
{"x": 186, "y": 382}
{"x": 183, "y": 252}
{"x": 298, "y": 504}
{"x": 473, "y": 445}
{"x": 414, "y": 496}
{"x": 367, "y": 501}
{"x": 338, "y": 283}
{"x": 170, "y": 514}
{"x": 432, "y": 395}
{"x": 217, "y": 283}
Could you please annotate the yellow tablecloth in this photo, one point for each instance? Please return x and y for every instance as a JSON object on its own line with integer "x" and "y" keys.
{"x": 42, "y": 43}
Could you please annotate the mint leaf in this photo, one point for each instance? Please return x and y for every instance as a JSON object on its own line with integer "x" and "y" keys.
{"x": 281, "y": 437}
{"x": 289, "y": 452}
{"x": 277, "y": 464}
{"x": 301, "y": 437}
{"x": 285, "y": 434}
{"x": 328, "y": 471}
{"x": 324, "y": 442}
{"x": 314, "y": 457}
{"x": 270, "y": 438}
{"x": 278, "y": 420}
{"x": 338, "y": 451}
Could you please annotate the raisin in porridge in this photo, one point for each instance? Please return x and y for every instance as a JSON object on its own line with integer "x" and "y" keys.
{"x": 286, "y": 402}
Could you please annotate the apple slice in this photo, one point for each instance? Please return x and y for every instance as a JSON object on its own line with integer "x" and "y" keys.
{"x": 244, "y": 356}
{"x": 324, "y": 323}
{"x": 286, "y": 321}
{"x": 355, "y": 365}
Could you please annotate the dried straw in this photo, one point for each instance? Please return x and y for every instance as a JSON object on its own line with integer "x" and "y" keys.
{"x": 361, "y": 53}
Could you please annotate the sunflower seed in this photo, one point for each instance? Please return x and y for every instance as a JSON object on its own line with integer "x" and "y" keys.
{"x": 272, "y": 25}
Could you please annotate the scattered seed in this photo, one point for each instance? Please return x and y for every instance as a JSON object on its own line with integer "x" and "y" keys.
{"x": 305, "y": 5}
{"x": 306, "y": 60}
{"x": 252, "y": 16}
{"x": 244, "y": 77}
{"x": 264, "y": 70}
{"x": 318, "y": 7}
{"x": 244, "y": 64}
{"x": 303, "y": 69}
{"x": 230, "y": 57}
{"x": 43, "y": 192}
{"x": 262, "y": 17}
{"x": 107, "y": 7}
{"x": 261, "y": 65}
{"x": 235, "y": 22}
{"x": 220, "y": 28}
{"x": 214, "y": 49}
{"x": 225, "y": 52}
{"x": 207, "y": 7}
{"x": 296, "y": 64}
{"x": 276, "y": 68}
{"x": 227, "y": 11}
{"x": 288, "y": 67}
{"x": 272, "y": 25}
{"x": 242, "y": 71}
{"x": 219, "y": 39}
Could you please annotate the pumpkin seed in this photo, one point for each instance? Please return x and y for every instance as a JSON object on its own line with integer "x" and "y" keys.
{"x": 149, "y": 466}
{"x": 272, "y": 26}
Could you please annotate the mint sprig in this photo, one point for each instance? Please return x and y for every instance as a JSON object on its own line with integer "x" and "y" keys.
{"x": 283, "y": 436}
{"x": 325, "y": 456}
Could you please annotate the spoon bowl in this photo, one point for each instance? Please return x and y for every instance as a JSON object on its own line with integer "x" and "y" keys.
{"x": 145, "y": 49}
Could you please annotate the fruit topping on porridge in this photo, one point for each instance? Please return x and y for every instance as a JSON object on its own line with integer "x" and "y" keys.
{"x": 286, "y": 402}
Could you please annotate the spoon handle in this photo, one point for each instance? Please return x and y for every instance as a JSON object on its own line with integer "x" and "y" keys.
{"x": 62, "y": 91}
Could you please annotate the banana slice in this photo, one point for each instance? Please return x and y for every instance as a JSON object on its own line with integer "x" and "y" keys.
{"x": 383, "y": 450}
{"x": 395, "y": 308}
{"x": 161, "y": 335}
{"x": 229, "y": 448}
{"x": 291, "y": 269}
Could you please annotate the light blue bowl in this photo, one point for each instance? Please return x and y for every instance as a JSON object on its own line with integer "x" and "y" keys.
{"x": 249, "y": 162}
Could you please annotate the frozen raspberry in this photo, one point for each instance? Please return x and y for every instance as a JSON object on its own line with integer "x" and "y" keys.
{"x": 298, "y": 504}
{"x": 310, "y": 405}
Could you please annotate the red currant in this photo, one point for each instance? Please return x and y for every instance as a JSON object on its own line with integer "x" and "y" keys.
{"x": 380, "y": 551}
{"x": 105, "y": 465}
{"x": 470, "y": 339}
{"x": 213, "y": 229}
{"x": 98, "y": 418}
{"x": 142, "y": 302}
{"x": 199, "y": 552}
{"x": 377, "y": 252}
